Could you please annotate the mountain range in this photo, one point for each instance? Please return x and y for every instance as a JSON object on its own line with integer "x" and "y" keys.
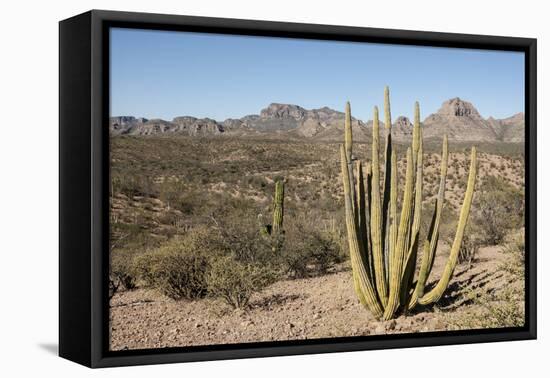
{"x": 457, "y": 118}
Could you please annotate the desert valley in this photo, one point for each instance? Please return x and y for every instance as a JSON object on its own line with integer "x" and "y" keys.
{"x": 207, "y": 187}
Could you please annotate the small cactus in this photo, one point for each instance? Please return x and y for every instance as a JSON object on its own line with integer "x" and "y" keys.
{"x": 278, "y": 211}
{"x": 383, "y": 249}
{"x": 278, "y": 207}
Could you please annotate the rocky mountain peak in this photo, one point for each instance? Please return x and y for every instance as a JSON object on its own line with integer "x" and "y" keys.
{"x": 403, "y": 121}
{"x": 456, "y": 107}
{"x": 276, "y": 110}
{"x": 402, "y": 127}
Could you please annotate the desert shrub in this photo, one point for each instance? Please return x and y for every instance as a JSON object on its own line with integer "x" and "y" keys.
{"x": 131, "y": 236}
{"x": 242, "y": 238}
{"x": 469, "y": 246}
{"x": 498, "y": 208}
{"x": 234, "y": 282}
{"x": 307, "y": 251}
{"x": 516, "y": 245}
{"x": 515, "y": 249}
{"x": 236, "y": 229}
{"x": 178, "y": 269}
{"x": 123, "y": 272}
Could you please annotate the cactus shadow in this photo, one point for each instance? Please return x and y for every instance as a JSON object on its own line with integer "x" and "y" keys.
{"x": 464, "y": 290}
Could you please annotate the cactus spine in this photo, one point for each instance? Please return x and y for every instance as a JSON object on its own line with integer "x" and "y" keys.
{"x": 383, "y": 248}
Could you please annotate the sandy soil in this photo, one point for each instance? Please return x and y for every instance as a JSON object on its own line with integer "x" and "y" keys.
{"x": 319, "y": 307}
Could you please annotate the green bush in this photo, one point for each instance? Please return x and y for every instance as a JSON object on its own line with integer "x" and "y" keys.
{"x": 178, "y": 269}
{"x": 234, "y": 281}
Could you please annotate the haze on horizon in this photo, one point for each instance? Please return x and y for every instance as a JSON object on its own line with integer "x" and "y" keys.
{"x": 160, "y": 74}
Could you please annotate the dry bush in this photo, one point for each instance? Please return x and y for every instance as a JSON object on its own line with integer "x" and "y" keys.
{"x": 178, "y": 269}
{"x": 307, "y": 251}
{"x": 469, "y": 246}
{"x": 234, "y": 282}
{"x": 123, "y": 272}
{"x": 515, "y": 249}
{"x": 498, "y": 209}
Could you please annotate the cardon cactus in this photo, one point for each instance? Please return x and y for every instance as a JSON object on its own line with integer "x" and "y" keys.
{"x": 383, "y": 248}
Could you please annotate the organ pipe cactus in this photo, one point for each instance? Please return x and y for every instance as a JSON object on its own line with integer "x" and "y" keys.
{"x": 383, "y": 248}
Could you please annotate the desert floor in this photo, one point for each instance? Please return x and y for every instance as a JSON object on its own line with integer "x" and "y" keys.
{"x": 487, "y": 294}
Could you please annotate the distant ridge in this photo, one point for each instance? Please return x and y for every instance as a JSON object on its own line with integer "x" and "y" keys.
{"x": 457, "y": 118}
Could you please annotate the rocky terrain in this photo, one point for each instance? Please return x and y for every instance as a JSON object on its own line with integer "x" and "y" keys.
{"x": 456, "y": 117}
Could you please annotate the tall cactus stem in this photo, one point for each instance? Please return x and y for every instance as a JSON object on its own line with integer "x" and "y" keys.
{"x": 387, "y": 179}
{"x": 398, "y": 256}
{"x": 416, "y": 132}
{"x": 348, "y": 143}
{"x": 410, "y": 261}
{"x": 363, "y": 281}
{"x": 376, "y": 219}
{"x": 360, "y": 209}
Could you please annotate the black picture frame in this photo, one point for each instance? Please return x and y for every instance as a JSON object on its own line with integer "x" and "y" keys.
{"x": 84, "y": 187}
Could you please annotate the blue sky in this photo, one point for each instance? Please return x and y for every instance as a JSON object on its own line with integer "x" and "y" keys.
{"x": 160, "y": 74}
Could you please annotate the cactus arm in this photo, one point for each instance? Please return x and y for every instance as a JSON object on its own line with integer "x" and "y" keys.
{"x": 410, "y": 262}
{"x": 435, "y": 294}
{"x": 364, "y": 283}
{"x": 348, "y": 143}
{"x": 387, "y": 179}
{"x": 393, "y": 204}
{"x": 417, "y": 169}
{"x": 398, "y": 256}
{"x": 430, "y": 244}
{"x": 278, "y": 207}
{"x": 376, "y": 221}
{"x": 348, "y": 139}
{"x": 416, "y": 132}
{"x": 393, "y": 220}
{"x": 417, "y": 202}
{"x": 360, "y": 209}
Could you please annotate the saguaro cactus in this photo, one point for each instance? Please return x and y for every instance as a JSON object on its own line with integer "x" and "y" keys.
{"x": 383, "y": 248}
